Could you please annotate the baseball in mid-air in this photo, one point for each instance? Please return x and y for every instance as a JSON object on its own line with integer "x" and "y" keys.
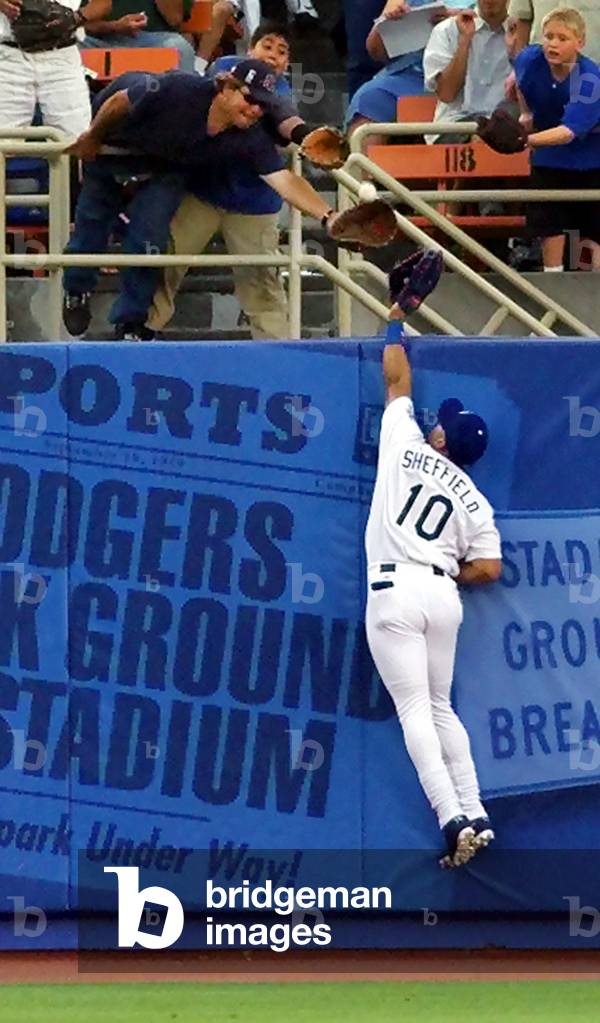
{"x": 367, "y": 192}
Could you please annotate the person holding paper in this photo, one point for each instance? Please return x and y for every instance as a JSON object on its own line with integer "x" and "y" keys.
{"x": 402, "y": 76}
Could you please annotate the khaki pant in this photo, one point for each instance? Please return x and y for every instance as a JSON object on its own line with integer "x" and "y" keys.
{"x": 259, "y": 289}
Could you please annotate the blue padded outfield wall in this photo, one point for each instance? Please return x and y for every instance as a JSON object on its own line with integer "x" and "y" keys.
{"x": 182, "y": 657}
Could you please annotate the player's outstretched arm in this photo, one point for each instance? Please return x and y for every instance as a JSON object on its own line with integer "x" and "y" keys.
{"x": 396, "y": 373}
{"x": 479, "y": 571}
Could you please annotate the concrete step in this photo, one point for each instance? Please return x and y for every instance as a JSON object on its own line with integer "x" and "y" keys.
{"x": 216, "y": 314}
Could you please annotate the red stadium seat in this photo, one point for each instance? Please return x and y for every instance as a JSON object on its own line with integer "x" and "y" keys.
{"x": 470, "y": 164}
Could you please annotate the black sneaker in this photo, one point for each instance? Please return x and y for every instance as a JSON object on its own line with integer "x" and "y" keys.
{"x": 459, "y": 835}
{"x": 133, "y": 332}
{"x": 76, "y": 312}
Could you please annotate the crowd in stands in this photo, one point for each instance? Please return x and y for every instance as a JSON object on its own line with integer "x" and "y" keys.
{"x": 529, "y": 57}
{"x": 534, "y": 58}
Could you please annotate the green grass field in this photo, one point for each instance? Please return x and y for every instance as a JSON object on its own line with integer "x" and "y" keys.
{"x": 452, "y": 1002}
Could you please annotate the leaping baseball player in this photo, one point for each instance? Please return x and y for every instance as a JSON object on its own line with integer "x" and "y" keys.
{"x": 429, "y": 529}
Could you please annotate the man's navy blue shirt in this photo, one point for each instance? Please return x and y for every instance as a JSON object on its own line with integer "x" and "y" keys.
{"x": 236, "y": 187}
{"x": 574, "y": 103}
{"x": 168, "y": 121}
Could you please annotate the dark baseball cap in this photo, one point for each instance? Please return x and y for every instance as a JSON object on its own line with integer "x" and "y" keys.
{"x": 466, "y": 432}
{"x": 259, "y": 78}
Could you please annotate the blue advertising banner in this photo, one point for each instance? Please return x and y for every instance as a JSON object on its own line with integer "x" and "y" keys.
{"x": 182, "y": 657}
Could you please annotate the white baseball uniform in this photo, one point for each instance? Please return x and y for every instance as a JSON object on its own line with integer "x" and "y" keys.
{"x": 52, "y": 78}
{"x": 426, "y": 516}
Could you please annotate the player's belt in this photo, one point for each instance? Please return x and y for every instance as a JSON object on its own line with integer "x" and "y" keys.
{"x": 390, "y": 566}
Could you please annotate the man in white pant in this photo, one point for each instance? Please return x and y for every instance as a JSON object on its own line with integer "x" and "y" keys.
{"x": 429, "y": 528}
{"x": 51, "y": 77}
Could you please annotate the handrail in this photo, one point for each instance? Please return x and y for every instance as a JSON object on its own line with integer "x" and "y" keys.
{"x": 359, "y": 162}
{"x": 12, "y": 141}
{"x": 453, "y": 262}
{"x": 510, "y": 275}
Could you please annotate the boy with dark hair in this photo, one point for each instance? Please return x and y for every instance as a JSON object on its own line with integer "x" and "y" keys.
{"x": 559, "y": 94}
{"x": 271, "y": 43}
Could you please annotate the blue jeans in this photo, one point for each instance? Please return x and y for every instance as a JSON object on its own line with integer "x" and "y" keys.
{"x": 170, "y": 39}
{"x": 150, "y": 212}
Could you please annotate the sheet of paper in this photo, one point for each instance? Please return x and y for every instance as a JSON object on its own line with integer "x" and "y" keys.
{"x": 410, "y": 32}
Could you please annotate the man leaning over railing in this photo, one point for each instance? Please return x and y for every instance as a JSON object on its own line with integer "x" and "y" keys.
{"x": 159, "y": 127}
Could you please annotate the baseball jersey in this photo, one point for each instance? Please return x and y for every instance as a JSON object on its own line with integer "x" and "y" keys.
{"x": 424, "y": 508}
{"x": 574, "y": 102}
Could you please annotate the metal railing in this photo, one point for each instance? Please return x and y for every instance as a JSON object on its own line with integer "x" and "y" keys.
{"x": 49, "y": 144}
{"x": 13, "y": 143}
{"x": 349, "y": 179}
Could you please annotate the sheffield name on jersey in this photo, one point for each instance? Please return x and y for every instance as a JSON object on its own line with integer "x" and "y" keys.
{"x": 425, "y": 508}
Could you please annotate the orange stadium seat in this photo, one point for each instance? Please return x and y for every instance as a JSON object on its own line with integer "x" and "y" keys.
{"x": 412, "y": 109}
{"x": 200, "y": 18}
{"x": 469, "y": 163}
{"x": 110, "y": 63}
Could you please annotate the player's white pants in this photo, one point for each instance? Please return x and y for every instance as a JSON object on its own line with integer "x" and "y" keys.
{"x": 54, "y": 79}
{"x": 412, "y": 627}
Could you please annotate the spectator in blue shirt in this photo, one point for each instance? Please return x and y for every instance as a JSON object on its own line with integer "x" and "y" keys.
{"x": 559, "y": 93}
{"x": 236, "y": 202}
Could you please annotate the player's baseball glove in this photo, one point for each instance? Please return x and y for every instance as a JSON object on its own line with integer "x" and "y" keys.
{"x": 370, "y": 225}
{"x": 325, "y": 147}
{"x": 502, "y": 132}
{"x": 45, "y": 25}
{"x": 412, "y": 280}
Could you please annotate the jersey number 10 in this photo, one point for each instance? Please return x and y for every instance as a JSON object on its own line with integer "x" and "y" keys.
{"x": 420, "y": 524}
